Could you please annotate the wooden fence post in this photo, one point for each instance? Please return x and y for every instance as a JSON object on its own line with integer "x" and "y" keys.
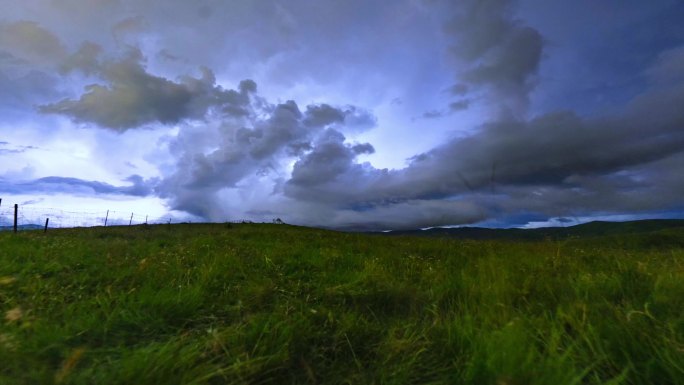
{"x": 16, "y": 211}
{"x": 47, "y": 220}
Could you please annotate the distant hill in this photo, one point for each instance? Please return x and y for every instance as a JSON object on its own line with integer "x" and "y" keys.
{"x": 21, "y": 227}
{"x": 590, "y": 229}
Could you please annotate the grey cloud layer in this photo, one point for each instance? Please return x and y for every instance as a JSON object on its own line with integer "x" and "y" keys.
{"x": 500, "y": 52}
{"x": 133, "y": 97}
{"x": 236, "y": 151}
{"x": 556, "y": 164}
{"x": 66, "y": 185}
{"x": 29, "y": 41}
{"x": 243, "y": 145}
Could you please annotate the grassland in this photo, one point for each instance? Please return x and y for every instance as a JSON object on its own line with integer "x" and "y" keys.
{"x": 277, "y": 304}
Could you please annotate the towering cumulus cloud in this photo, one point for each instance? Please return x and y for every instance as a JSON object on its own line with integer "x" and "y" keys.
{"x": 258, "y": 139}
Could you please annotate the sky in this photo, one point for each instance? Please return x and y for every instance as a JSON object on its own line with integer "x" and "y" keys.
{"x": 358, "y": 114}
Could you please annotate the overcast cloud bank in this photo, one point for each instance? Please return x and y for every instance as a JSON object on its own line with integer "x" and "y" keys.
{"x": 225, "y": 147}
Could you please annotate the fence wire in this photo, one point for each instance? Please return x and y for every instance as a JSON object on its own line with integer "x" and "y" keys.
{"x": 32, "y": 217}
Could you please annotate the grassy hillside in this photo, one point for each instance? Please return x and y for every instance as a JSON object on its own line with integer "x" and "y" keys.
{"x": 276, "y": 304}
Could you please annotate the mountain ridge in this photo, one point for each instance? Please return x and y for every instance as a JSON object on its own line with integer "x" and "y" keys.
{"x": 593, "y": 228}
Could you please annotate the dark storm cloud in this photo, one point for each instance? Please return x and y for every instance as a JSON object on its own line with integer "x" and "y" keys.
{"x": 31, "y": 42}
{"x": 351, "y": 117}
{"x": 498, "y": 52}
{"x": 253, "y": 143}
{"x": 411, "y": 214}
{"x": 85, "y": 59}
{"x": 234, "y": 151}
{"x": 53, "y": 184}
{"x": 323, "y": 115}
{"x": 329, "y": 159}
{"x": 28, "y": 52}
{"x": 133, "y": 97}
{"x": 555, "y": 146}
{"x": 555, "y": 164}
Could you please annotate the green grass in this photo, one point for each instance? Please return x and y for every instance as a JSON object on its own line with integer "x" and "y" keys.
{"x": 276, "y": 304}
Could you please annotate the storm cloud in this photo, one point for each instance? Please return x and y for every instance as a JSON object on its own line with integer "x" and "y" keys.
{"x": 54, "y": 184}
{"x": 499, "y": 52}
{"x": 256, "y": 141}
{"x": 354, "y": 115}
{"x": 30, "y": 42}
{"x": 132, "y": 97}
{"x": 556, "y": 163}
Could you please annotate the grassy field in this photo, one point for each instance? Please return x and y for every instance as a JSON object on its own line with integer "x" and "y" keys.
{"x": 277, "y": 304}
